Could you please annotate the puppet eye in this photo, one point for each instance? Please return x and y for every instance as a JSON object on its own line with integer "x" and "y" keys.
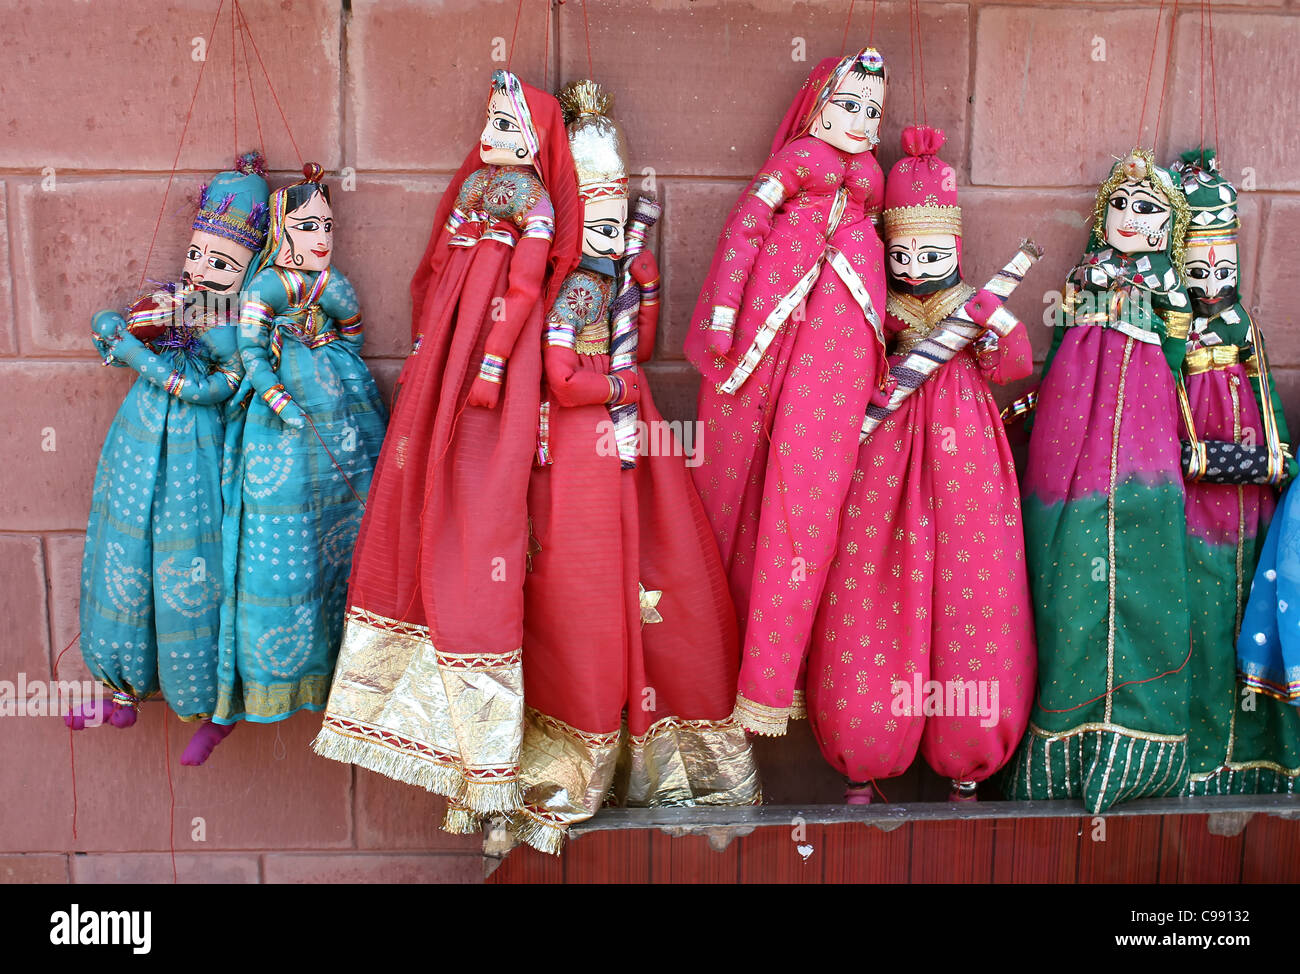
{"x": 873, "y": 111}
{"x": 220, "y": 264}
{"x": 308, "y": 225}
{"x": 850, "y": 105}
{"x": 504, "y": 125}
{"x": 194, "y": 254}
{"x": 1197, "y": 273}
{"x": 1147, "y": 207}
{"x": 931, "y": 256}
{"x": 901, "y": 258}
{"x": 1119, "y": 202}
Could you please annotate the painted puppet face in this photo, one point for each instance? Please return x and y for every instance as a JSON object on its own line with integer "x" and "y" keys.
{"x": 308, "y": 236}
{"x": 851, "y": 119}
{"x": 502, "y": 142}
{"x": 1138, "y": 218}
{"x": 1211, "y": 271}
{"x": 602, "y": 231}
{"x": 213, "y": 263}
{"x": 922, "y": 263}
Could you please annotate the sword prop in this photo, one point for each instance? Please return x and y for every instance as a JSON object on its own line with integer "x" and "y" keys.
{"x": 949, "y": 337}
{"x": 624, "y": 311}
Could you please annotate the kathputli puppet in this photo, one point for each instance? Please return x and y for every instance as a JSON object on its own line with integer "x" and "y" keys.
{"x": 429, "y": 685}
{"x": 151, "y": 584}
{"x": 300, "y": 450}
{"x": 630, "y": 641}
{"x": 928, "y": 590}
{"x": 1235, "y": 454}
{"x": 787, "y": 333}
{"x": 1103, "y": 511}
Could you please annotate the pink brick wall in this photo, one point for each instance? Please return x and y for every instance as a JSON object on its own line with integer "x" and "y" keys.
{"x": 394, "y": 89}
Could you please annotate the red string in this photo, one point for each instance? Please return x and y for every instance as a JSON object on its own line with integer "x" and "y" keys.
{"x": 72, "y": 736}
{"x": 847, "y": 21}
{"x": 1214, "y": 81}
{"x": 171, "y": 790}
{"x": 920, "y": 53}
{"x": 252, "y": 91}
{"x": 586, "y": 24}
{"x": 515, "y": 33}
{"x": 1164, "y": 84}
{"x": 546, "y": 51}
{"x": 871, "y": 37}
{"x": 1155, "y": 43}
{"x": 144, "y": 271}
{"x": 248, "y": 31}
{"x": 234, "y": 81}
{"x": 1201, "y": 87}
{"x": 911, "y": 41}
{"x": 341, "y": 471}
{"x": 1118, "y": 687}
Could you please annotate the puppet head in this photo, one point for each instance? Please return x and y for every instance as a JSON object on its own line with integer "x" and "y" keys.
{"x": 1210, "y": 263}
{"x": 600, "y": 158}
{"x": 301, "y": 237}
{"x": 850, "y": 103}
{"x": 1139, "y": 209}
{"x": 229, "y": 228}
{"x": 922, "y": 218}
{"x": 508, "y": 138}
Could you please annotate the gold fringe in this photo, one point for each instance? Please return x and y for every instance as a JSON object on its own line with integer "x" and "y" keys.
{"x": 542, "y": 836}
{"x": 407, "y": 768}
{"x": 459, "y": 820}
{"x": 491, "y": 796}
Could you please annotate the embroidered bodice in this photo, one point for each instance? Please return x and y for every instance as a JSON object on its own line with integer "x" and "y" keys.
{"x": 579, "y": 318}
{"x": 501, "y": 203}
{"x": 911, "y": 318}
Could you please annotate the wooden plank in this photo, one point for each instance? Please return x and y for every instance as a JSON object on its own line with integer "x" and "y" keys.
{"x": 1036, "y": 850}
{"x": 1190, "y": 854}
{"x": 952, "y": 852}
{"x": 690, "y": 859}
{"x": 525, "y": 865}
{"x": 1130, "y": 852}
{"x": 1272, "y": 851}
{"x": 772, "y": 855}
{"x": 857, "y": 854}
{"x": 608, "y": 857}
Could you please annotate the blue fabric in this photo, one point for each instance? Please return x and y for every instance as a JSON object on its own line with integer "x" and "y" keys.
{"x": 291, "y": 519}
{"x": 151, "y": 573}
{"x": 1268, "y": 649}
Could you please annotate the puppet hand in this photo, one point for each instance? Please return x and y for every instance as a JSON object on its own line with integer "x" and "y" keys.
{"x": 982, "y": 305}
{"x": 644, "y": 268}
{"x": 484, "y": 393}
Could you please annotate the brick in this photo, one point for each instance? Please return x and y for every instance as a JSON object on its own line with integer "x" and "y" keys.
{"x": 694, "y": 214}
{"x": 676, "y": 389}
{"x": 419, "y": 73}
{"x": 73, "y": 403}
{"x": 156, "y": 867}
{"x": 63, "y": 574}
{"x": 750, "y": 47}
{"x": 8, "y": 339}
{"x": 1045, "y": 113}
{"x": 123, "y": 80}
{"x": 26, "y": 648}
{"x": 394, "y": 815}
{"x": 383, "y": 228}
{"x": 385, "y": 371}
{"x": 33, "y": 869}
{"x": 1270, "y": 294}
{"x": 82, "y": 247}
{"x": 1249, "y": 126}
{"x": 262, "y": 788}
{"x": 372, "y": 868}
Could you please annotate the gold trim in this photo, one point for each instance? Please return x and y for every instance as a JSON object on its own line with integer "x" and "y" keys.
{"x": 1211, "y": 358}
{"x": 1177, "y": 323}
{"x": 923, "y": 218}
{"x": 1106, "y": 727}
{"x": 761, "y": 719}
{"x": 1110, "y": 532}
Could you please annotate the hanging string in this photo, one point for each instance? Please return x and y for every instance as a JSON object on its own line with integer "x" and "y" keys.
{"x": 1164, "y": 84}
{"x": 871, "y": 36}
{"x": 1214, "y": 80}
{"x": 234, "y": 81}
{"x": 586, "y": 25}
{"x": 1115, "y": 689}
{"x": 911, "y": 40}
{"x": 1201, "y": 87}
{"x": 1146, "y": 91}
{"x": 546, "y": 51}
{"x": 844, "y": 42}
{"x": 252, "y": 90}
{"x": 179, "y": 145}
{"x": 920, "y": 55}
{"x": 72, "y": 736}
{"x": 515, "y": 33}
{"x": 171, "y": 790}
{"x": 248, "y": 31}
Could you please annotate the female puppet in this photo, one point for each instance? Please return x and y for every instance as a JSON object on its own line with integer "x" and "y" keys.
{"x": 300, "y": 458}
{"x": 630, "y": 642}
{"x": 1236, "y": 744}
{"x": 787, "y": 335}
{"x": 429, "y": 687}
{"x": 925, "y": 633}
{"x": 151, "y": 584}
{"x": 1103, "y": 507}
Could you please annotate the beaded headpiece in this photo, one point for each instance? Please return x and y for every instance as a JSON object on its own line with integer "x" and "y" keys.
{"x": 233, "y": 205}
{"x": 1211, "y": 198}
{"x": 595, "y": 140}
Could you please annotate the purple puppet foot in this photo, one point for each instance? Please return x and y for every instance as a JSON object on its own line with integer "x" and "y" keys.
{"x": 204, "y": 741}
